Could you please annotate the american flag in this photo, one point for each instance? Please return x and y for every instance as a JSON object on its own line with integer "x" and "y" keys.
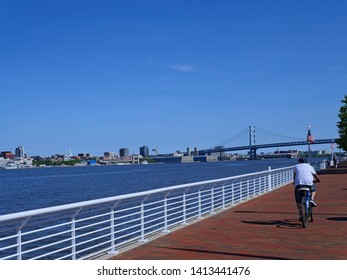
{"x": 310, "y": 137}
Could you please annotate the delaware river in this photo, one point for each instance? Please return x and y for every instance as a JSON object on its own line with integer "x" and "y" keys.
{"x": 28, "y": 189}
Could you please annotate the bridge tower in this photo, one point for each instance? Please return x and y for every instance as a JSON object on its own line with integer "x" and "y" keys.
{"x": 252, "y": 148}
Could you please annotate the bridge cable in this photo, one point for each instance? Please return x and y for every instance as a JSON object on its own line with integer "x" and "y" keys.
{"x": 280, "y": 135}
{"x": 232, "y": 138}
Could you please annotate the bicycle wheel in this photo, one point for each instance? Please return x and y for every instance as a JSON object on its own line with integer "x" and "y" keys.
{"x": 310, "y": 212}
{"x": 303, "y": 212}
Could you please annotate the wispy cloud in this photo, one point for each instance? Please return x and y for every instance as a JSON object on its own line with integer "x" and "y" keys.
{"x": 182, "y": 67}
{"x": 176, "y": 67}
{"x": 164, "y": 77}
{"x": 334, "y": 67}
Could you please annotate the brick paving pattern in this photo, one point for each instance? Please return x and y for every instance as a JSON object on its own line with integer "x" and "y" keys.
{"x": 265, "y": 228}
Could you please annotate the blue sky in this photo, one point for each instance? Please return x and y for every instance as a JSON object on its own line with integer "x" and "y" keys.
{"x": 96, "y": 76}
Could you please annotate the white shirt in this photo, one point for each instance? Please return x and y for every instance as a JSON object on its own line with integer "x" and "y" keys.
{"x": 303, "y": 174}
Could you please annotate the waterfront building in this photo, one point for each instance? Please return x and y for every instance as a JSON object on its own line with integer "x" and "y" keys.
{"x": 220, "y": 154}
{"x": 156, "y": 151}
{"x": 109, "y": 154}
{"x": 206, "y": 158}
{"x": 19, "y": 152}
{"x": 136, "y": 159}
{"x": 186, "y": 159}
{"x": 91, "y": 162}
{"x": 144, "y": 151}
{"x": 7, "y": 155}
{"x": 84, "y": 156}
{"x": 124, "y": 152}
{"x": 178, "y": 154}
{"x": 281, "y": 154}
{"x": 169, "y": 159}
{"x": 180, "y": 158}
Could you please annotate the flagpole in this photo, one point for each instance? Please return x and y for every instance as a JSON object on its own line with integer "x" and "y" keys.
{"x": 308, "y": 144}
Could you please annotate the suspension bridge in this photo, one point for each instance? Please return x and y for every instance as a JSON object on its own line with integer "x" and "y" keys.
{"x": 252, "y": 147}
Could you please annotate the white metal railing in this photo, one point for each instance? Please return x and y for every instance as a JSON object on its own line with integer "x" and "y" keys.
{"x": 88, "y": 229}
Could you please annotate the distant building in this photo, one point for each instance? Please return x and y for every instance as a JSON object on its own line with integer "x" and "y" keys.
{"x": 91, "y": 162}
{"x": 180, "y": 158}
{"x": 123, "y": 152}
{"x": 85, "y": 156}
{"x": 219, "y": 152}
{"x": 7, "y": 155}
{"x": 19, "y": 152}
{"x": 109, "y": 154}
{"x": 144, "y": 151}
{"x": 289, "y": 153}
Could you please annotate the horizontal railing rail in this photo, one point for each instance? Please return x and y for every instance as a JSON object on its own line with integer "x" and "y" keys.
{"x": 89, "y": 229}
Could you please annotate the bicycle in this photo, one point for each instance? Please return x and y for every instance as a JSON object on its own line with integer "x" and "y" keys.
{"x": 305, "y": 205}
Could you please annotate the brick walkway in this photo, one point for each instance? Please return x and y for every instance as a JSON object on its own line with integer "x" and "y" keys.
{"x": 263, "y": 228}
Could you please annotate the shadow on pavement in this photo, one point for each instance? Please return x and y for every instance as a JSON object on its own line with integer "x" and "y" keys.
{"x": 338, "y": 219}
{"x": 288, "y": 224}
{"x": 226, "y": 253}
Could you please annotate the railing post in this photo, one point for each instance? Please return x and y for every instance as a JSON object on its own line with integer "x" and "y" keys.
{"x": 112, "y": 231}
{"x": 223, "y": 197}
{"x": 291, "y": 172}
{"x": 19, "y": 244}
{"x": 73, "y": 238}
{"x": 73, "y": 234}
{"x": 232, "y": 194}
{"x": 113, "y": 244}
{"x": 287, "y": 177}
{"x": 283, "y": 178}
{"x": 279, "y": 179}
{"x": 212, "y": 201}
{"x": 165, "y": 215}
{"x": 142, "y": 239}
{"x": 19, "y": 238}
{"x": 269, "y": 179}
{"x": 247, "y": 188}
{"x": 275, "y": 181}
{"x": 199, "y": 201}
{"x": 275, "y": 178}
{"x": 184, "y": 222}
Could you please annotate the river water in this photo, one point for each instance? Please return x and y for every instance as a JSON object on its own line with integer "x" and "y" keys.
{"x": 28, "y": 189}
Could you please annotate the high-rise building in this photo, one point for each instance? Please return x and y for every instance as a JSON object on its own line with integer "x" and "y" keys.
{"x": 123, "y": 152}
{"x": 110, "y": 154}
{"x": 19, "y": 152}
{"x": 144, "y": 151}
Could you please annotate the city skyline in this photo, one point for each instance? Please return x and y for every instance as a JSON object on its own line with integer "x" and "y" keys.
{"x": 174, "y": 74}
{"x": 144, "y": 151}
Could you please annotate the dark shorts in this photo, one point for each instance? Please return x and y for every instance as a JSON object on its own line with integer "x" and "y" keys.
{"x": 298, "y": 195}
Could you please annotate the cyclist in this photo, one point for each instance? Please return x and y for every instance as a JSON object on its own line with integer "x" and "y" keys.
{"x": 304, "y": 175}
